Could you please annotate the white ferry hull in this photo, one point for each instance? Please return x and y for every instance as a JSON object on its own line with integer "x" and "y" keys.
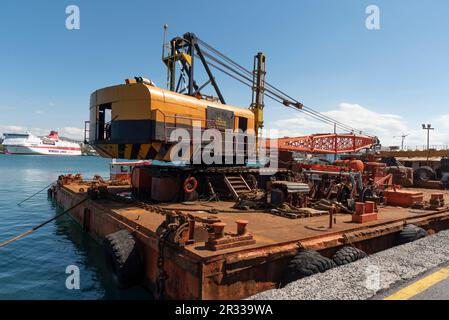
{"x": 26, "y": 143}
{"x": 60, "y": 151}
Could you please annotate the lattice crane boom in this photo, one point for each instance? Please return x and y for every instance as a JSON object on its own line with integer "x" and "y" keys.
{"x": 327, "y": 143}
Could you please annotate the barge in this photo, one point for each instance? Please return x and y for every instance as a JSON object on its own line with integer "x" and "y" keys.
{"x": 185, "y": 266}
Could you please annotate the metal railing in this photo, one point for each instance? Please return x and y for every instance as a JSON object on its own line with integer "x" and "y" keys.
{"x": 424, "y": 147}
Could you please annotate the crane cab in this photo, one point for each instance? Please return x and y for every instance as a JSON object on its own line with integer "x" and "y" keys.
{"x": 136, "y": 120}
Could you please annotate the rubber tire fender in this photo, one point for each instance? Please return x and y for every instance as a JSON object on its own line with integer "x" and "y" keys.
{"x": 430, "y": 173}
{"x": 304, "y": 264}
{"x": 123, "y": 259}
{"x": 410, "y": 233}
{"x": 347, "y": 255}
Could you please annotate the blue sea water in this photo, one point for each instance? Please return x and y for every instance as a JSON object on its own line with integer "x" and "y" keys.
{"x": 34, "y": 267}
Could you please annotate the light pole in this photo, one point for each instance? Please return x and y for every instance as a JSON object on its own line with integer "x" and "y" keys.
{"x": 402, "y": 139}
{"x": 428, "y": 127}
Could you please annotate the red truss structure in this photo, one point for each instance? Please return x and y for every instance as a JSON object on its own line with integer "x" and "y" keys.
{"x": 327, "y": 143}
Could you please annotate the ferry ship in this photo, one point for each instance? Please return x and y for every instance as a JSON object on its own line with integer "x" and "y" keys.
{"x": 27, "y": 143}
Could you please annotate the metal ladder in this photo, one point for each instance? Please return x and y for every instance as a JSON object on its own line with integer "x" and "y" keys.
{"x": 237, "y": 185}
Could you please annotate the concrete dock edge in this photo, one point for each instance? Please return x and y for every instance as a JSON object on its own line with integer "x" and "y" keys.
{"x": 365, "y": 278}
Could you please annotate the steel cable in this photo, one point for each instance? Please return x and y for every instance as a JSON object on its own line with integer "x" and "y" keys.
{"x": 282, "y": 96}
{"x": 41, "y": 225}
{"x": 274, "y": 96}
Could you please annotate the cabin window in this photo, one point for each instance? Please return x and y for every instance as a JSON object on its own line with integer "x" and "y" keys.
{"x": 104, "y": 122}
{"x": 243, "y": 127}
{"x": 243, "y": 124}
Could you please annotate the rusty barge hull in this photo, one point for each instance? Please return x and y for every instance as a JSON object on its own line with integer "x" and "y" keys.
{"x": 195, "y": 272}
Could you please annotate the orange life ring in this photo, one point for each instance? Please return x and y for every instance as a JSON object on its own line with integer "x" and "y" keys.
{"x": 190, "y": 185}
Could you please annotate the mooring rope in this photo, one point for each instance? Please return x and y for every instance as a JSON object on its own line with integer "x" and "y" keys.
{"x": 34, "y": 194}
{"x": 41, "y": 225}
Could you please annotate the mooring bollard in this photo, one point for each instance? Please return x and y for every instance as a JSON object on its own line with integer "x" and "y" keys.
{"x": 241, "y": 227}
{"x": 219, "y": 229}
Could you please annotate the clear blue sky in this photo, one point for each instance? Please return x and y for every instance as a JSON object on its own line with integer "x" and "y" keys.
{"x": 317, "y": 50}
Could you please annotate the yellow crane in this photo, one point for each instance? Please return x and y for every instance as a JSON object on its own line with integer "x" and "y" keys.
{"x": 135, "y": 120}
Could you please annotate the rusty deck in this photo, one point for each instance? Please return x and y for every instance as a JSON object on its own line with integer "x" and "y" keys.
{"x": 198, "y": 273}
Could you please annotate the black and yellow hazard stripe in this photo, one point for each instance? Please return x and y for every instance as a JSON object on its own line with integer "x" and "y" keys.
{"x": 152, "y": 151}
